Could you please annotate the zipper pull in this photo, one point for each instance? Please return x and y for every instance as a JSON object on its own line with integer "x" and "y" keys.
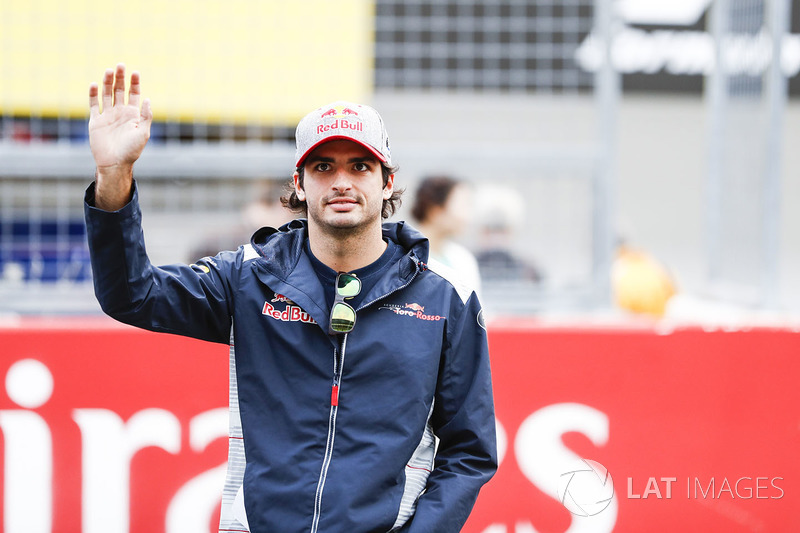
{"x": 338, "y": 361}
{"x": 335, "y": 395}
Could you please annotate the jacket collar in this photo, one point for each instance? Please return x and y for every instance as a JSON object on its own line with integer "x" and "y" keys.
{"x": 285, "y": 268}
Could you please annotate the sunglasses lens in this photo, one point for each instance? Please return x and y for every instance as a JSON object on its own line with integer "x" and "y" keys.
{"x": 348, "y": 285}
{"x": 343, "y": 318}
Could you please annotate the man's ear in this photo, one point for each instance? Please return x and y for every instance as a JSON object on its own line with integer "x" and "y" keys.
{"x": 298, "y": 189}
{"x": 388, "y": 189}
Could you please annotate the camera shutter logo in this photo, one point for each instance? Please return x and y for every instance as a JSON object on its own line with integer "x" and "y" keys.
{"x": 587, "y": 489}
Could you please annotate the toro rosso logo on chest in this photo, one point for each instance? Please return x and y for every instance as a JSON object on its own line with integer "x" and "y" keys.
{"x": 413, "y": 310}
{"x": 291, "y": 313}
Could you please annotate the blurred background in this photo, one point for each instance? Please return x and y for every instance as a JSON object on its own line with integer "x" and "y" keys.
{"x": 629, "y": 155}
{"x": 616, "y": 176}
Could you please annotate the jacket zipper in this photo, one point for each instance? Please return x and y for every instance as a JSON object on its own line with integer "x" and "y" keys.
{"x": 338, "y": 364}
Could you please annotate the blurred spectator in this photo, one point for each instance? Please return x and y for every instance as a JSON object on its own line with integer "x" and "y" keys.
{"x": 264, "y": 209}
{"x": 640, "y": 283}
{"x": 442, "y": 206}
{"x": 500, "y": 215}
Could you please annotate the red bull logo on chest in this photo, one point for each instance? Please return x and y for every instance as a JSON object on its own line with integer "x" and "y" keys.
{"x": 292, "y": 313}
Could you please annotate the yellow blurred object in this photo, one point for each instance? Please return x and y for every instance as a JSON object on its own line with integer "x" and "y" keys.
{"x": 233, "y": 62}
{"x": 640, "y": 283}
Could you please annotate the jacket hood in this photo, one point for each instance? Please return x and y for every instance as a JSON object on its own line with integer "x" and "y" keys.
{"x": 282, "y": 248}
{"x": 284, "y": 267}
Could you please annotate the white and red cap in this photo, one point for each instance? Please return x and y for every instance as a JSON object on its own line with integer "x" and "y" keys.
{"x": 343, "y": 120}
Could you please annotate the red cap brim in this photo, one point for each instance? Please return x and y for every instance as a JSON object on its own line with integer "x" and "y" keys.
{"x": 375, "y": 152}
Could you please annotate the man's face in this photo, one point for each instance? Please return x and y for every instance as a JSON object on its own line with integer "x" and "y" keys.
{"x": 343, "y": 186}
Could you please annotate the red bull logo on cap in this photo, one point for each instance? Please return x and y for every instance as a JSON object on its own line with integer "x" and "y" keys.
{"x": 344, "y": 117}
{"x": 340, "y": 124}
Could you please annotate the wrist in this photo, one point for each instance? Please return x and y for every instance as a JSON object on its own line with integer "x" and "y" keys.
{"x": 113, "y": 187}
{"x": 114, "y": 173}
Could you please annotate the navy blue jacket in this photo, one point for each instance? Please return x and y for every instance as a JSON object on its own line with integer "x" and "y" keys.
{"x": 308, "y": 451}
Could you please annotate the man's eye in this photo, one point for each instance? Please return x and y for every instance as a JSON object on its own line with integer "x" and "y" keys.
{"x": 361, "y": 167}
{"x": 322, "y": 167}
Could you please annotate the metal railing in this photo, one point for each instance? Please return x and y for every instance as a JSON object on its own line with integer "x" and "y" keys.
{"x": 197, "y": 177}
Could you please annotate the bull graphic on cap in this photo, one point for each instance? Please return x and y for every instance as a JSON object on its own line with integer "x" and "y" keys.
{"x": 339, "y": 112}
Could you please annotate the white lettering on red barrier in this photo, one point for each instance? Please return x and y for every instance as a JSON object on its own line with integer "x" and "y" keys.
{"x": 108, "y": 446}
{"x": 28, "y": 455}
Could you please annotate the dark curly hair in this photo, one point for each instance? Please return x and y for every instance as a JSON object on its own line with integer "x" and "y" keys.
{"x": 390, "y": 206}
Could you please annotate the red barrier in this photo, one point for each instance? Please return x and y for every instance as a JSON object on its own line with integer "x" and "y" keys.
{"x": 698, "y": 430}
{"x": 106, "y": 428}
{"x": 126, "y": 421}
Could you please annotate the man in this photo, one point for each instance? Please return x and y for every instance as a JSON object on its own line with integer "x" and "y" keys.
{"x": 339, "y": 382}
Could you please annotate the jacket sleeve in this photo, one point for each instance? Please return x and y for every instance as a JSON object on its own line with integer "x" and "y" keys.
{"x": 187, "y": 300}
{"x": 463, "y": 420}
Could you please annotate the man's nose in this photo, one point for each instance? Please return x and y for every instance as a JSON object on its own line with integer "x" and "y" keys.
{"x": 341, "y": 180}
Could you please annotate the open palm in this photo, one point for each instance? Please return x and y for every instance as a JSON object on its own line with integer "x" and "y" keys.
{"x": 118, "y": 135}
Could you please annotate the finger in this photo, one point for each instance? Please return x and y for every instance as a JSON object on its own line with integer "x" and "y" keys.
{"x": 94, "y": 105}
{"x": 147, "y": 112}
{"x": 133, "y": 96}
{"x": 108, "y": 79}
{"x": 119, "y": 85}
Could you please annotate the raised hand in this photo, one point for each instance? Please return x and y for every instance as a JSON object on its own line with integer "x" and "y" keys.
{"x": 117, "y": 136}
